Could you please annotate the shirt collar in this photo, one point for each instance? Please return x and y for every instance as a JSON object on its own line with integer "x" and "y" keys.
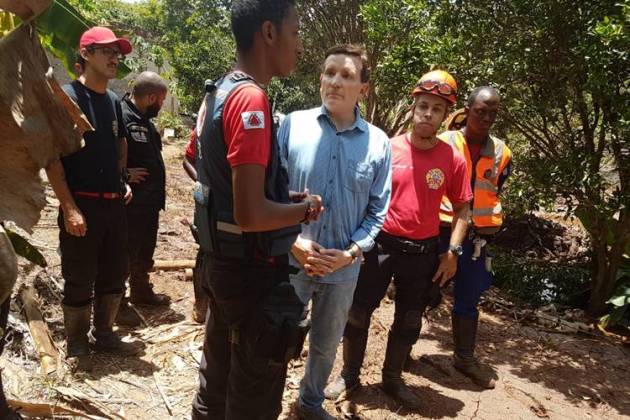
{"x": 359, "y": 122}
{"x": 132, "y": 107}
{"x": 487, "y": 148}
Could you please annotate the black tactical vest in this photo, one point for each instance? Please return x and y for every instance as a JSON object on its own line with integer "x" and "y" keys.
{"x": 214, "y": 214}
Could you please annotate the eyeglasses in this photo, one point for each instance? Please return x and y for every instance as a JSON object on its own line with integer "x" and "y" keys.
{"x": 108, "y": 52}
{"x": 431, "y": 85}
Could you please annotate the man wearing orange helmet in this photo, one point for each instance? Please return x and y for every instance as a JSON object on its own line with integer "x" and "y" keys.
{"x": 488, "y": 166}
{"x": 423, "y": 170}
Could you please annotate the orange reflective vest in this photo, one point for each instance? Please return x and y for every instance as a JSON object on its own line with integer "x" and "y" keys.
{"x": 494, "y": 157}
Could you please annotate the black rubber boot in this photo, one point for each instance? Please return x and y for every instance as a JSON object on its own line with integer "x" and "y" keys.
{"x": 102, "y": 337}
{"x": 353, "y": 354}
{"x": 393, "y": 383}
{"x": 76, "y": 322}
{"x": 141, "y": 292}
{"x": 464, "y": 337}
{"x": 126, "y": 316}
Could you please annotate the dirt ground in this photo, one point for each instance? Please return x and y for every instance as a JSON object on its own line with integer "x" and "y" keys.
{"x": 543, "y": 373}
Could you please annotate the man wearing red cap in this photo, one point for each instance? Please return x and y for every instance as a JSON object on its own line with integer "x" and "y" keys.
{"x": 423, "y": 170}
{"x": 91, "y": 188}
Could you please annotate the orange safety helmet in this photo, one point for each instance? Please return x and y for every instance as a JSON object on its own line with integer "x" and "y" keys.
{"x": 438, "y": 83}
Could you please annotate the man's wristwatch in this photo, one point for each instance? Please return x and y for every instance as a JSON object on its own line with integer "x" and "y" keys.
{"x": 457, "y": 250}
{"x": 352, "y": 253}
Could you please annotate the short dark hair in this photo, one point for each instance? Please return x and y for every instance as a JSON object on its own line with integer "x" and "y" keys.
{"x": 147, "y": 83}
{"x": 352, "y": 50}
{"x": 249, "y": 15}
{"x": 81, "y": 62}
{"x": 476, "y": 91}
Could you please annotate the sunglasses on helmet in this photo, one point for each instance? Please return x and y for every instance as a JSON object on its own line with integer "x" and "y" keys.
{"x": 431, "y": 85}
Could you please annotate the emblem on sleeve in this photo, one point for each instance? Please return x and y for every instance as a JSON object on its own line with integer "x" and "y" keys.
{"x": 435, "y": 178}
{"x": 253, "y": 120}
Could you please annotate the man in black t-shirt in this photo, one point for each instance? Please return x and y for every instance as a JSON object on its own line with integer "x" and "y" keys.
{"x": 147, "y": 178}
{"x": 91, "y": 188}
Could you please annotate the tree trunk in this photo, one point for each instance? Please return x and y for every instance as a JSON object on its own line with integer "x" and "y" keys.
{"x": 607, "y": 260}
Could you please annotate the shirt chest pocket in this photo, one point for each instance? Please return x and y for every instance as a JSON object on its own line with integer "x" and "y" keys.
{"x": 358, "y": 177}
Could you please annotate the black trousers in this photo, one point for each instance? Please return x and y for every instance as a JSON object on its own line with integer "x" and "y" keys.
{"x": 4, "y": 317}
{"x": 415, "y": 290}
{"x": 97, "y": 262}
{"x": 235, "y": 382}
{"x": 200, "y": 273}
{"x": 143, "y": 225}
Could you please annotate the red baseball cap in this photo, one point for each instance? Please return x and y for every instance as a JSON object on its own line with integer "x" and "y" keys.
{"x": 99, "y": 35}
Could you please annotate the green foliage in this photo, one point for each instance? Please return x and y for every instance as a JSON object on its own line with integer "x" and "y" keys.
{"x": 60, "y": 28}
{"x": 620, "y": 301}
{"x": 7, "y": 23}
{"x": 538, "y": 283}
{"x": 24, "y": 249}
{"x": 197, "y": 38}
{"x": 169, "y": 120}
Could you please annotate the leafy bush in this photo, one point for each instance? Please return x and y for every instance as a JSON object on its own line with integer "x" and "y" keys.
{"x": 538, "y": 283}
{"x": 169, "y": 120}
{"x": 620, "y": 301}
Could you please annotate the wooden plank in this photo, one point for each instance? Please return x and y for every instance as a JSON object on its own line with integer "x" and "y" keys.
{"x": 48, "y": 353}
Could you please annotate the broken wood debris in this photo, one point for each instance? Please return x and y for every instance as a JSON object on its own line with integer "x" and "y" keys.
{"x": 170, "y": 265}
{"x": 46, "y": 410}
{"x": 163, "y": 395}
{"x": 48, "y": 353}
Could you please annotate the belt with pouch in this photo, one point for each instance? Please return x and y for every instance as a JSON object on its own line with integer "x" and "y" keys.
{"x": 408, "y": 246}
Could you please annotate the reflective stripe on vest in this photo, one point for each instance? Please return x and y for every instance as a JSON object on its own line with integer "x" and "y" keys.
{"x": 487, "y": 210}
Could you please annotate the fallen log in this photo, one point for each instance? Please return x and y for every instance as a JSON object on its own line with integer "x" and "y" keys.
{"x": 48, "y": 353}
{"x": 171, "y": 265}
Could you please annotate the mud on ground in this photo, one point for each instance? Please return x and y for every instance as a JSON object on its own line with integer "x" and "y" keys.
{"x": 543, "y": 373}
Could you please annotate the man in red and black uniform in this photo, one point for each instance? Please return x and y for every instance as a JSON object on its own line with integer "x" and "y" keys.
{"x": 200, "y": 307}
{"x": 423, "y": 170}
{"x": 247, "y": 222}
{"x": 147, "y": 177}
{"x": 90, "y": 187}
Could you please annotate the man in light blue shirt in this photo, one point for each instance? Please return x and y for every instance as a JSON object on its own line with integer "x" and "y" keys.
{"x": 333, "y": 152}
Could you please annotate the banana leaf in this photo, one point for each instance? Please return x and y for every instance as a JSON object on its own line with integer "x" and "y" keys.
{"x": 25, "y": 249}
{"x": 7, "y": 23}
{"x": 60, "y": 28}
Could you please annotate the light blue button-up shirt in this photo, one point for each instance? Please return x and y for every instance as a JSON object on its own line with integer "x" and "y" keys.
{"x": 349, "y": 169}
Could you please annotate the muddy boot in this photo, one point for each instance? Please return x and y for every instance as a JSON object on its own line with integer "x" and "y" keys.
{"x": 126, "y": 316}
{"x": 102, "y": 337}
{"x": 353, "y": 354}
{"x": 142, "y": 292}
{"x": 76, "y": 322}
{"x": 393, "y": 384}
{"x": 199, "y": 310}
{"x": 464, "y": 336}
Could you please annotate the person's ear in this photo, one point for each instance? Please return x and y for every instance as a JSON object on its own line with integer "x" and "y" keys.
{"x": 365, "y": 88}
{"x": 83, "y": 52}
{"x": 269, "y": 32}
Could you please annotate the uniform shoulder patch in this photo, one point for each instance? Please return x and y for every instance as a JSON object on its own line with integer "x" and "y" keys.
{"x": 253, "y": 120}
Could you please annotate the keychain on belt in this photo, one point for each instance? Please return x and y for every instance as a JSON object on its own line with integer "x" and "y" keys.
{"x": 478, "y": 244}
